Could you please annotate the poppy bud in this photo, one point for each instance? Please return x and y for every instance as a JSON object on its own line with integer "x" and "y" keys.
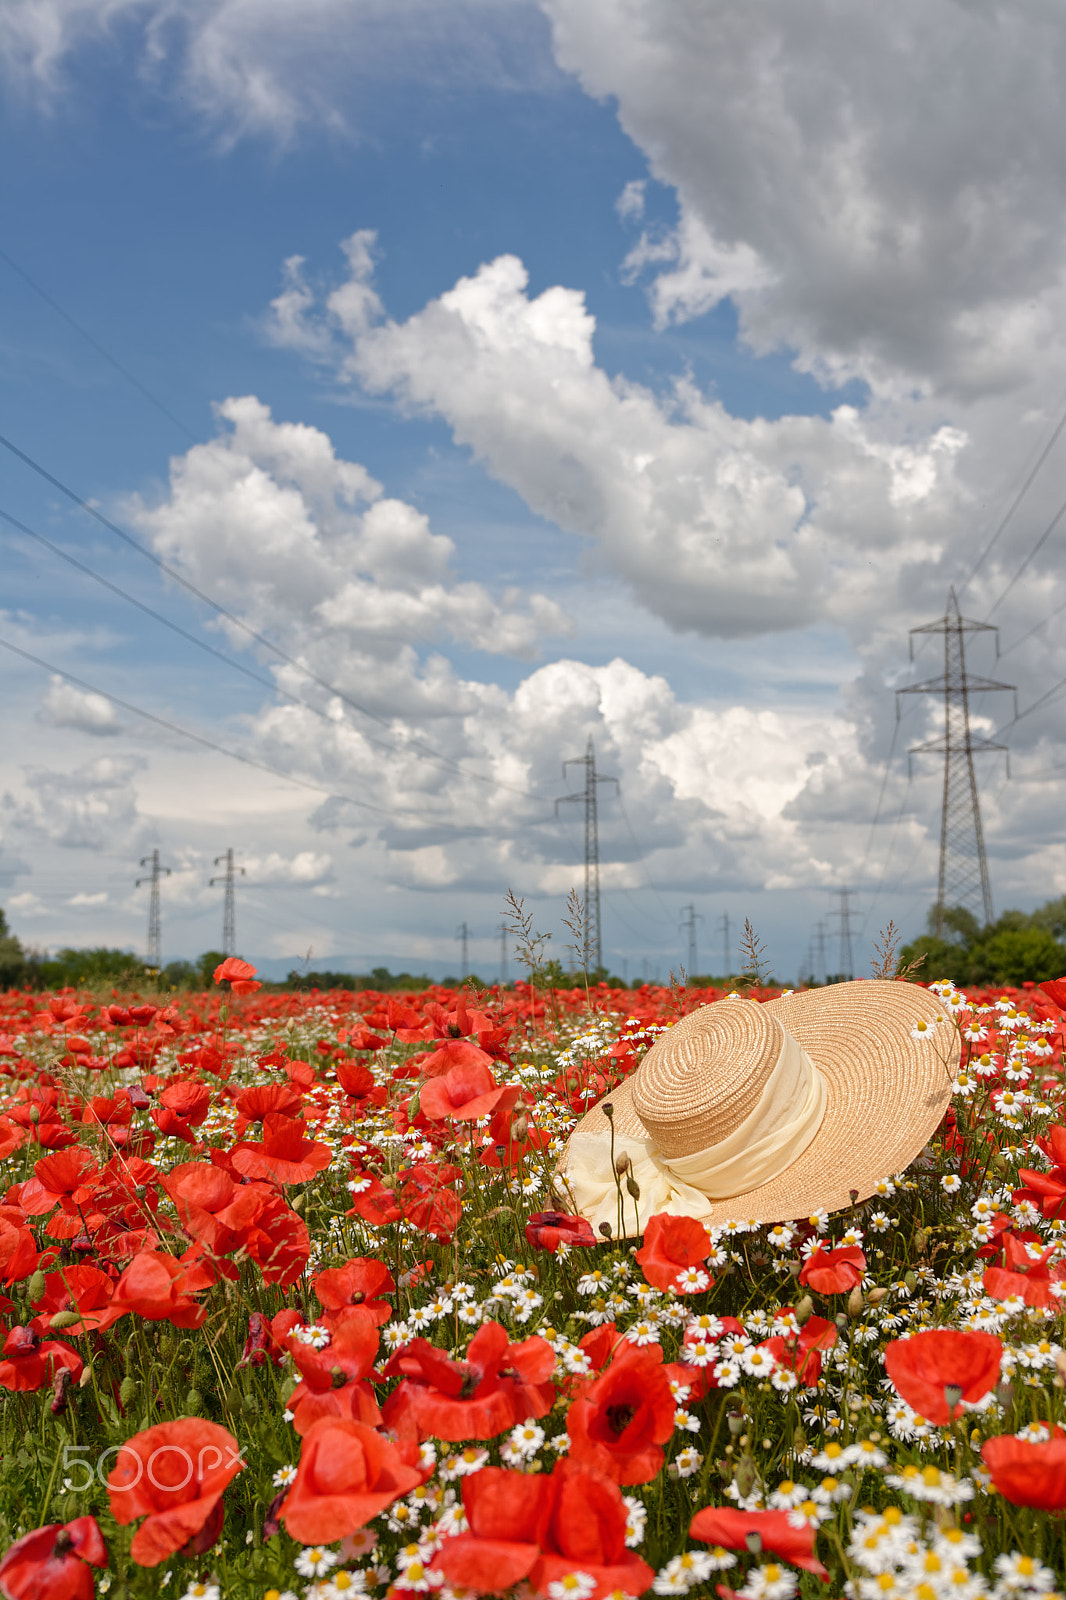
{"x": 1004, "y": 1393}
{"x": 632, "y": 1187}
{"x": 519, "y": 1128}
{"x": 193, "y": 1401}
{"x": 875, "y": 1296}
{"x": 622, "y": 1164}
{"x": 746, "y": 1475}
{"x": 606, "y": 1229}
{"x": 64, "y": 1319}
{"x": 753, "y": 1543}
{"x": 608, "y": 1110}
{"x": 299, "y": 1202}
{"x": 804, "y": 1311}
{"x": 736, "y": 1421}
{"x": 60, "y": 1385}
{"x": 414, "y": 1105}
{"x": 128, "y": 1391}
{"x": 841, "y": 1320}
{"x": 854, "y": 1302}
{"x": 953, "y": 1395}
{"x": 911, "y": 1280}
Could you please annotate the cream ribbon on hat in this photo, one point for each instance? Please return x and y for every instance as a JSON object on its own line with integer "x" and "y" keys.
{"x": 778, "y": 1129}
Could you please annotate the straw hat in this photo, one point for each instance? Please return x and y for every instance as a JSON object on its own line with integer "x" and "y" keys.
{"x": 887, "y": 1056}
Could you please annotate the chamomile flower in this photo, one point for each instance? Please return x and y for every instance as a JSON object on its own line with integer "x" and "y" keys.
{"x": 315, "y": 1561}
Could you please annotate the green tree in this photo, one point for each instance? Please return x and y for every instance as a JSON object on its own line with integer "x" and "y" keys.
{"x": 1019, "y": 947}
{"x": 12, "y": 957}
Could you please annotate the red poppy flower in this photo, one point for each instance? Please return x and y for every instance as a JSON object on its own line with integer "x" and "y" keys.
{"x": 238, "y": 974}
{"x": 496, "y": 1386}
{"x": 455, "y": 1053}
{"x": 286, "y": 1155}
{"x": 18, "y": 1252}
{"x": 1022, "y": 1275}
{"x": 620, "y": 1420}
{"x": 348, "y": 1473}
{"x": 801, "y": 1352}
{"x": 940, "y": 1359}
{"x": 670, "y": 1245}
{"x": 174, "y": 1476}
{"x": 547, "y": 1230}
{"x": 355, "y": 1079}
{"x": 68, "y": 1175}
{"x": 1055, "y": 989}
{"x": 732, "y": 1530}
{"x": 54, "y": 1561}
{"x": 356, "y": 1283}
{"x": 543, "y": 1528}
{"x": 183, "y": 1106}
{"x": 160, "y": 1288}
{"x": 27, "y": 1362}
{"x": 256, "y": 1103}
{"x": 464, "y": 1093}
{"x": 1028, "y": 1474}
{"x": 80, "y": 1287}
{"x": 833, "y": 1271}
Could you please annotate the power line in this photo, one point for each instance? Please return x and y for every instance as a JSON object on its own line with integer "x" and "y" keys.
{"x": 190, "y": 638}
{"x": 1038, "y": 546}
{"x": 252, "y": 633}
{"x": 98, "y": 347}
{"x": 209, "y": 744}
{"x": 1015, "y": 503}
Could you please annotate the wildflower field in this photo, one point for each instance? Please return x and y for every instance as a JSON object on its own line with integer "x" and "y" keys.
{"x": 290, "y": 1309}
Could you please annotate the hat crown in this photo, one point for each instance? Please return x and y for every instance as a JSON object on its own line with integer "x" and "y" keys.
{"x": 703, "y": 1078}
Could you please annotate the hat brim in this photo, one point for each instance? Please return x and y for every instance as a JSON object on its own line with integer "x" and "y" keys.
{"x": 886, "y": 1093}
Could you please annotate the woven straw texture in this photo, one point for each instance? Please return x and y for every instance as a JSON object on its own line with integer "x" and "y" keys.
{"x": 885, "y": 1092}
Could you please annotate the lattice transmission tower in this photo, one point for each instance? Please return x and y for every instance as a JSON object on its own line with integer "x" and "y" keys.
{"x": 154, "y": 957}
{"x": 689, "y": 918}
{"x": 963, "y": 876}
{"x": 229, "y": 902}
{"x": 592, "y": 946}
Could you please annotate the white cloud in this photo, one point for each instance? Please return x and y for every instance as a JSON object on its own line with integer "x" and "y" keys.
{"x": 885, "y": 174}
{"x": 66, "y": 706}
{"x": 85, "y": 899}
{"x": 630, "y": 203}
{"x": 305, "y": 545}
{"x": 308, "y": 869}
{"x": 90, "y": 807}
{"x": 719, "y": 525}
{"x": 26, "y": 904}
{"x": 268, "y": 67}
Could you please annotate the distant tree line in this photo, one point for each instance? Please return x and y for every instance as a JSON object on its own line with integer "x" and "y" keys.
{"x": 1019, "y": 946}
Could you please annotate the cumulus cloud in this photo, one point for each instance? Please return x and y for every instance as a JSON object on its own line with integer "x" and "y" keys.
{"x": 66, "y": 706}
{"x": 306, "y": 546}
{"x": 307, "y": 869}
{"x": 871, "y": 185}
{"x": 718, "y": 524}
{"x": 90, "y": 807}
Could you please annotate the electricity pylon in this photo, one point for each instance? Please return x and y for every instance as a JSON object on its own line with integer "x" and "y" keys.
{"x": 847, "y": 958}
{"x": 592, "y": 948}
{"x": 155, "y": 925}
{"x": 723, "y": 925}
{"x": 463, "y": 935}
{"x": 503, "y": 954}
{"x": 229, "y": 902}
{"x": 689, "y": 918}
{"x": 963, "y": 875}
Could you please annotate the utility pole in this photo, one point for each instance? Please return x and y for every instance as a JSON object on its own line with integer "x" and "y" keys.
{"x": 503, "y": 954}
{"x": 592, "y": 950}
{"x": 963, "y": 876}
{"x": 155, "y": 926}
{"x": 819, "y": 940}
{"x": 810, "y": 962}
{"x": 723, "y": 928}
{"x": 229, "y": 902}
{"x": 847, "y": 958}
{"x": 689, "y": 918}
{"x": 463, "y": 935}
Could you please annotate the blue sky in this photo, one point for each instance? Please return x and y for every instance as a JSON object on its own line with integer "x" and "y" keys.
{"x": 753, "y": 377}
